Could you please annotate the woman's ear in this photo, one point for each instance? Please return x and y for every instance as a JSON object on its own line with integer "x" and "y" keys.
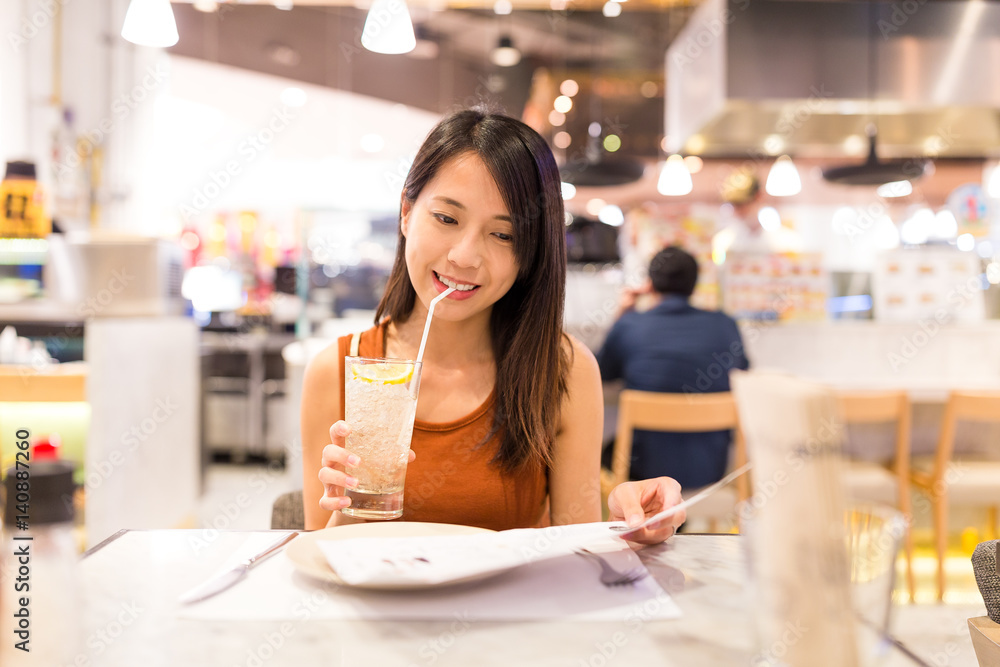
{"x": 405, "y": 207}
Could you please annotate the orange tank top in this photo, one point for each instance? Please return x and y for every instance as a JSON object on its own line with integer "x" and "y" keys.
{"x": 452, "y": 479}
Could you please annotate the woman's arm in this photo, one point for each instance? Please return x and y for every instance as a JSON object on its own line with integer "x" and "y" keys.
{"x": 574, "y": 481}
{"x": 320, "y": 410}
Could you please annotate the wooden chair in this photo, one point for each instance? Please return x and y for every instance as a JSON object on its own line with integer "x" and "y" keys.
{"x": 690, "y": 413}
{"x": 969, "y": 482}
{"x": 876, "y": 482}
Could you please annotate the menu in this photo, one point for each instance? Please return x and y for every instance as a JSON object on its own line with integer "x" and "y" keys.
{"x": 944, "y": 284}
{"x": 775, "y": 286}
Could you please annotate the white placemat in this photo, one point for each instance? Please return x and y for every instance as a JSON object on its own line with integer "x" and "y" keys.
{"x": 561, "y": 588}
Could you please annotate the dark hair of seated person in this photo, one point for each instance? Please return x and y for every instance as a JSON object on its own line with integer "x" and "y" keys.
{"x": 673, "y": 271}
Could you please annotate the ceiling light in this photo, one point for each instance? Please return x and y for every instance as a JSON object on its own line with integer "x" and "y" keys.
{"x": 874, "y": 171}
{"x": 933, "y": 145}
{"x": 845, "y": 220}
{"x": 944, "y": 226}
{"x": 774, "y": 144}
{"x": 594, "y": 206}
{"x": 556, "y": 118}
{"x": 569, "y": 87}
{"x": 675, "y": 179}
{"x": 769, "y": 219}
{"x": 854, "y": 144}
{"x": 594, "y": 129}
{"x": 966, "y": 242}
{"x": 562, "y": 104}
{"x": 502, "y": 7}
{"x": 207, "y": 6}
{"x": 695, "y": 144}
{"x": 611, "y": 9}
{"x": 649, "y": 89}
{"x": 505, "y": 54}
{"x": 917, "y": 229}
{"x": 568, "y": 191}
{"x": 150, "y": 23}
{"x": 562, "y": 140}
{"x": 694, "y": 164}
{"x": 886, "y": 234}
{"x": 611, "y": 215}
{"x": 388, "y": 28}
{"x": 984, "y": 249}
{"x": 783, "y": 180}
{"x": 612, "y": 142}
{"x": 895, "y": 189}
{"x": 993, "y": 185}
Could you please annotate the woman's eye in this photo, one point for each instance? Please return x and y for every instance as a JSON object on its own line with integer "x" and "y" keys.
{"x": 445, "y": 219}
{"x": 504, "y": 237}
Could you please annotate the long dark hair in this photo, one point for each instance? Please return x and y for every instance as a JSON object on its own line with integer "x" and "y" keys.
{"x": 526, "y": 323}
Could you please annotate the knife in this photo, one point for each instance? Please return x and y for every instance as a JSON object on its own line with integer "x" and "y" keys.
{"x": 628, "y": 531}
{"x": 224, "y": 580}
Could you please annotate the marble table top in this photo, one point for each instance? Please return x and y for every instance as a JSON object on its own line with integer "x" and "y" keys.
{"x": 130, "y": 588}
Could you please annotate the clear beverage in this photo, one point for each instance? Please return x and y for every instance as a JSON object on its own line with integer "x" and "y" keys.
{"x": 380, "y": 403}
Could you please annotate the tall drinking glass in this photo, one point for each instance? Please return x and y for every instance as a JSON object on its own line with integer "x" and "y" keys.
{"x": 380, "y": 403}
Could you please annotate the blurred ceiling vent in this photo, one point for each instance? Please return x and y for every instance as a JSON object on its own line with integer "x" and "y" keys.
{"x": 766, "y": 78}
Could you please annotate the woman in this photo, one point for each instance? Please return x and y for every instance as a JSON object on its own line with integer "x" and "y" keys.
{"x": 509, "y": 417}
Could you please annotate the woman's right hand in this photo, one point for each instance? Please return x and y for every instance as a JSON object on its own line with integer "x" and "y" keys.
{"x": 334, "y": 469}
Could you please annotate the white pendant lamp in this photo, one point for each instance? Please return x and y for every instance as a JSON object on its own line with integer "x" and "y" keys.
{"x": 783, "y": 180}
{"x": 150, "y": 23}
{"x": 388, "y": 28}
{"x": 675, "y": 179}
{"x": 505, "y": 54}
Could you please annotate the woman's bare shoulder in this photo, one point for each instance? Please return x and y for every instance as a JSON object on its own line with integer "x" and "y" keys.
{"x": 326, "y": 364}
{"x": 582, "y": 363}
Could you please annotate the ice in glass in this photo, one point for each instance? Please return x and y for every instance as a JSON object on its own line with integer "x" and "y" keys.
{"x": 380, "y": 405}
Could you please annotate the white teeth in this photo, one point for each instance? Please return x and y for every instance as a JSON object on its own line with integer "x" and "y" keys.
{"x": 461, "y": 287}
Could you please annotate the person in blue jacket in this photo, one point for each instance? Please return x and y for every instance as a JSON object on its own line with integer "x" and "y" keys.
{"x": 677, "y": 348}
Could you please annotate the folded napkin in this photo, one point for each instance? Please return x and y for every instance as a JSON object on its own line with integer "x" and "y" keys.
{"x": 439, "y": 559}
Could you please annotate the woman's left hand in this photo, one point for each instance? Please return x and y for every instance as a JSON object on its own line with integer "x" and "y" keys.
{"x": 634, "y": 502}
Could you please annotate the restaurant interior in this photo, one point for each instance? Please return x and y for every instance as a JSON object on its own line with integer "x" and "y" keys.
{"x": 200, "y": 196}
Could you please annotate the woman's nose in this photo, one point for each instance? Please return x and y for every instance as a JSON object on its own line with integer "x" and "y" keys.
{"x": 467, "y": 251}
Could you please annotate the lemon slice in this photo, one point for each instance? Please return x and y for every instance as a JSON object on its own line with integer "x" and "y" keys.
{"x": 384, "y": 373}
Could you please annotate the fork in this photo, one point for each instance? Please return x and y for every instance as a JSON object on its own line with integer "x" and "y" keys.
{"x": 609, "y": 575}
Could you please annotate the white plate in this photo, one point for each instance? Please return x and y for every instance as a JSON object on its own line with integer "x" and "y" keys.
{"x": 309, "y": 560}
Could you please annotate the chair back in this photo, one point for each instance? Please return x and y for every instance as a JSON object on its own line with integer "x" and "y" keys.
{"x": 873, "y": 407}
{"x": 979, "y": 406}
{"x": 690, "y": 413}
{"x": 288, "y": 512}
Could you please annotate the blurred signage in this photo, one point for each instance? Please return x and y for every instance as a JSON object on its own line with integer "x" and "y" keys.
{"x": 22, "y": 214}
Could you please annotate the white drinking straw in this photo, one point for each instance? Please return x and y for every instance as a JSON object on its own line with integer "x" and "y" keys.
{"x": 427, "y": 324}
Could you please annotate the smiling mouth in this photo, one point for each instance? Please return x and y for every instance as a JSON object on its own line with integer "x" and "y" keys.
{"x": 461, "y": 287}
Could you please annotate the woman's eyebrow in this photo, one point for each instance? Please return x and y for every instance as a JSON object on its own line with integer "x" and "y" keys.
{"x": 459, "y": 205}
